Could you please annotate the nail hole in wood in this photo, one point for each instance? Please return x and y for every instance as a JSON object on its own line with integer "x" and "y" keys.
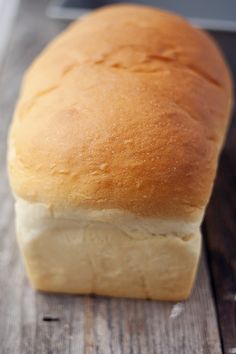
{"x": 51, "y": 319}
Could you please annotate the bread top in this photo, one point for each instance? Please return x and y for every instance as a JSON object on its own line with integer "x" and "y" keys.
{"x": 127, "y": 109}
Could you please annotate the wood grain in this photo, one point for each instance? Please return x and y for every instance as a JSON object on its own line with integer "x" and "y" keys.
{"x": 32, "y": 322}
{"x": 221, "y": 240}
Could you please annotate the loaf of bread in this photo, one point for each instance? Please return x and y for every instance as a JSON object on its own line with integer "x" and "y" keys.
{"x": 113, "y": 152}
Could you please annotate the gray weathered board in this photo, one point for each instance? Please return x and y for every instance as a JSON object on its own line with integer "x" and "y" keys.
{"x": 32, "y": 322}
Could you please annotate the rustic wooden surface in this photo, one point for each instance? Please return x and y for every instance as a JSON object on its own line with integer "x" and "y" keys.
{"x": 32, "y": 322}
{"x": 220, "y": 221}
{"x": 221, "y": 240}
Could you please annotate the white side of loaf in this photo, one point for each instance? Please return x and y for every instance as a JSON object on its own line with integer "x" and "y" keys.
{"x": 108, "y": 252}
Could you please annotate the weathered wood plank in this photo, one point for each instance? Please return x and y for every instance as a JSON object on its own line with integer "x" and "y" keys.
{"x": 81, "y": 324}
{"x": 221, "y": 240}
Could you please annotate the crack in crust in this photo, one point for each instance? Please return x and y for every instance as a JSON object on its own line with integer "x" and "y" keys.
{"x": 141, "y": 67}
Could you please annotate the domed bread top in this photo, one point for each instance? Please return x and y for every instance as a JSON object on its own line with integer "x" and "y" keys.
{"x": 127, "y": 109}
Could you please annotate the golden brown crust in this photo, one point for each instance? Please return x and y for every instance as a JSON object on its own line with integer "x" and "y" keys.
{"x": 127, "y": 110}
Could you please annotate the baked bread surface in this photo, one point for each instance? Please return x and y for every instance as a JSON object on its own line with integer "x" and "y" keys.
{"x": 113, "y": 152}
{"x": 107, "y": 252}
{"x": 126, "y": 109}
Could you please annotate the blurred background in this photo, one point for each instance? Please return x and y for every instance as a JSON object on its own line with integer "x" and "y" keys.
{"x": 211, "y": 14}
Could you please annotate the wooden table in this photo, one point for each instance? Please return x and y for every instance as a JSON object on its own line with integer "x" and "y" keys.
{"x": 32, "y": 322}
